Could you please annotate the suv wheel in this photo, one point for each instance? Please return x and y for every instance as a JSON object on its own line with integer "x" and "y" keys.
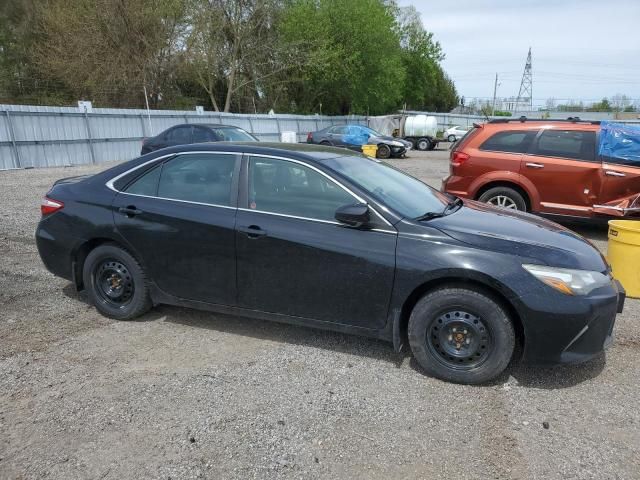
{"x": 504, "y": 197}
{"x": 116, "y": 283}
{"x": 461, "y": 335}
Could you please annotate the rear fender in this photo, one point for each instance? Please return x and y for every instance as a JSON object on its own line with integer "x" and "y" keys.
{"x": 507, "y": 177}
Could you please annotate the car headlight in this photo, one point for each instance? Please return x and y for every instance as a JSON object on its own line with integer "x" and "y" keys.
{"x": 396, "y": 144}
{"x": 568, "y": 281}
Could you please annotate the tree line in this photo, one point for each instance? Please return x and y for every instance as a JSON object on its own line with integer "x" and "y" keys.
{"x": 299, "y": 56}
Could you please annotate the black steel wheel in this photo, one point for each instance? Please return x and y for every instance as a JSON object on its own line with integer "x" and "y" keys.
{"x": 384, "y": 151}
{"x": 113, "y": 283}
{"x": 459, "y": 339}
{"x": 461, "y": 335}
{"x": 116, "y": 283}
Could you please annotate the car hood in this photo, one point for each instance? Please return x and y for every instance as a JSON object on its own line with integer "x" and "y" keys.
{"x": 386, "y": 139}
{"x": 520, "y": 234}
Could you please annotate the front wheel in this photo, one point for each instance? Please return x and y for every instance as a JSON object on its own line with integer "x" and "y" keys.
{"x": 504, "y": 197}
{"x": 384, "y": 151}
{"x": 451, "y": 138}
{"x": 461, "y": 335}
{"x": 116, "y": 283}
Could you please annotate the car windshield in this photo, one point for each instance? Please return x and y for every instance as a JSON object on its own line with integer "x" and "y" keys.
{"x": 233, "y": 134}
{"x": 370, "y": 131}
{"x": 406, "y": 195}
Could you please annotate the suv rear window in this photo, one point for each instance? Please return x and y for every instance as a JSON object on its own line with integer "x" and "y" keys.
{"x": 510, "y": 141}
{"x": 575, "y": 144}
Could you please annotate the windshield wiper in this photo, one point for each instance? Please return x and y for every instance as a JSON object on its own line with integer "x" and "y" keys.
{"x": 456, "y": 202}
{"x": 429, "y": 216}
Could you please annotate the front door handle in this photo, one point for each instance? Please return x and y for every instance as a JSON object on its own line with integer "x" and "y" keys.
{"x": 252, "y": 231}
{"x": 613, "y": 173}
{"x": 534, "y": 165}
{"x": 130, "y": 211}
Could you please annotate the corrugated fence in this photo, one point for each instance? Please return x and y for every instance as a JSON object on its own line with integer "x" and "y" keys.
{"x": 33, "y": 136}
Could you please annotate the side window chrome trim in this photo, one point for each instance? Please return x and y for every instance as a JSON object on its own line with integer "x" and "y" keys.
{"x": 110, "y": 183}
{"x": 178, "y": 200}
{"x": 330, "y": 178}
{"x": 330, "y": 222}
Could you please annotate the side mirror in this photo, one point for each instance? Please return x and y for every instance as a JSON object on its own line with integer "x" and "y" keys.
{"x": 356, "y": 215}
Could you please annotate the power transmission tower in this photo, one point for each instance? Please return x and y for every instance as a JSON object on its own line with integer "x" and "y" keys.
{"x": 526, "y": 85}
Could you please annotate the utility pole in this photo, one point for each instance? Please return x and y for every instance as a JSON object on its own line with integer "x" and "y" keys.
{"x": 495, "y": 90}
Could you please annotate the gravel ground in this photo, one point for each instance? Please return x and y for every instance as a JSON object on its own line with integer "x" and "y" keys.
{"x": 188, "y": 394}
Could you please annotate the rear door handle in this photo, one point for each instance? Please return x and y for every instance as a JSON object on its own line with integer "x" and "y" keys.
{"x": 534, "y": 165}
{"x": 612, "y": 173}
{"x": 252, "y": 231}
{"x": 130, "y": 211}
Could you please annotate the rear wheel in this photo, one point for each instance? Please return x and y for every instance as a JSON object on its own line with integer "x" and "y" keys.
{"x": 423, "y": 144}
{"x": 451, "y": 138}
{"x": 325, "y": 143}
{"x": 461, "y": 335}
{"x": 504, "y": 197}
{"x": 384, "y": 151}
{"x": 116, "y": 283}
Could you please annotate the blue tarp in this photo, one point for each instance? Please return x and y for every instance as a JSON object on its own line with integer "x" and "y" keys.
{"x": 620, "y": 141}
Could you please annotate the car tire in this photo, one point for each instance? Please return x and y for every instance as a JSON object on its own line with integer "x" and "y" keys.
{"x": 423, "y": 144}
{"x": 325, "y": 143}
{"x": 451, "y": 138}
{"x": 116, "y": 283}
{"x": 504, "y": 197}
{"x": 461, "y": 335}
{"x": 384, "y": 151}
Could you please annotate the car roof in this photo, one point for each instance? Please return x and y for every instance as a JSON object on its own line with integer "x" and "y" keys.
{"x": 537, "y": 124}
{"x": 304, "y": 151}
{"x": 207, "y": 125}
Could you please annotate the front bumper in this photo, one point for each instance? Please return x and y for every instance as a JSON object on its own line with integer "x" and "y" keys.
{"x": 564, "y": 329}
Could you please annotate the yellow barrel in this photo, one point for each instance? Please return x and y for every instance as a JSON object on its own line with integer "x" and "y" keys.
{"x": 370, "y": 150}
{"x": 624, "y": 254}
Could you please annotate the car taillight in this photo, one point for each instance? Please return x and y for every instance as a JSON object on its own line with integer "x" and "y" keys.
{"x": 49, "y": 206}
{"x": 309, "y": 137}
{"x": 458, "y": 158}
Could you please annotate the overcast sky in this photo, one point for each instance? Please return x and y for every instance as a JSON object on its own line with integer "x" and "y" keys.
{"x": 581, "y": 49}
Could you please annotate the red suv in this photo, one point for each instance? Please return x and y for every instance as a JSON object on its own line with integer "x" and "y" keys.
{"x": 550, "y": 167}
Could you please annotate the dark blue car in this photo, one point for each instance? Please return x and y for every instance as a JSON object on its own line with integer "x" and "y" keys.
{"x": 355, "y": 136}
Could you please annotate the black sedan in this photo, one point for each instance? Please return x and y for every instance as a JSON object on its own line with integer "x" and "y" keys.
{"x": 355, "y": 136}
{"x": 195, "y": 133}
{"x": 330, "y": 239}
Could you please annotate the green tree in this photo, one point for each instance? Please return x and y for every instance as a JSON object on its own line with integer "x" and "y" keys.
{"x": 354, "y": 57}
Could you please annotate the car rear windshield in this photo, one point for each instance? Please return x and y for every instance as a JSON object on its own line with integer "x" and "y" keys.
{"x": 466, "y": 137}
{"x": 403, "y": 193}
{"x": 230, "y": 134}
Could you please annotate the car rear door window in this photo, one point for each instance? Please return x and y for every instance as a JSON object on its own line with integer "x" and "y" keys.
{"x": 201, "y": 135}
{"x": 203, "y": 178}
{"x": 147, "y": 184}
{"x": 510, "y": 141}
{"x": 179, "y": 135}
{"x": 579, "y": 145}
{"x": 288, "y": 188}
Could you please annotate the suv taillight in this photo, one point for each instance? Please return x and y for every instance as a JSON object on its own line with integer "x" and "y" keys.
{"x": 458, "y": 158}
{"x": 49, "y": 206}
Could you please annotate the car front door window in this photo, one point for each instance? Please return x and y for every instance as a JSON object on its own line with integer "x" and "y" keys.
{"x": 287, "y": 188}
